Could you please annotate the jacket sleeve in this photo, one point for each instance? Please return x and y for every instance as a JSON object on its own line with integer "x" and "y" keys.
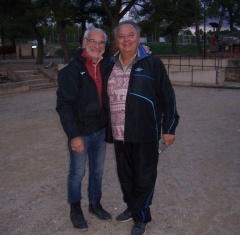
{"x": 66, "y": 102}
{"x": 168, "y": 101}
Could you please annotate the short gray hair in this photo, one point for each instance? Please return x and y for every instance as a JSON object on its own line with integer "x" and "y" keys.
{"x": 138, "y": 29}
{"x": 91, "y": 29}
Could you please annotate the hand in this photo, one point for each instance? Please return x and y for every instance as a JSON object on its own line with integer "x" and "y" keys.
{"x": 147, "y": 49}
{"x": 77, "y": 145}
{"x": 168, "y": 139}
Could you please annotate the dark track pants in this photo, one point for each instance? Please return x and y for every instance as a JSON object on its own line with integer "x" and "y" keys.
{"x": 137, "y": 172}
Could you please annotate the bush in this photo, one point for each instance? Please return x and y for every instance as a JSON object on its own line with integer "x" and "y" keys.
{"x": 157, "y": 48}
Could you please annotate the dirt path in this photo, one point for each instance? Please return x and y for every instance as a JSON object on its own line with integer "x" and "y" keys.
{"x": 198, "y": 186}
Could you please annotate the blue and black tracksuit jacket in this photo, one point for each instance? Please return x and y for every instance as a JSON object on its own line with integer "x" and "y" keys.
{"x": 150, "y": 103}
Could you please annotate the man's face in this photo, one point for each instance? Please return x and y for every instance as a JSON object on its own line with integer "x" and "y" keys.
{"x": 127, "y": 39}
{"x": 94, "y": 44}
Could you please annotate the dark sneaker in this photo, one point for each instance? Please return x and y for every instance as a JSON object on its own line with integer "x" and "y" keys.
{"x": 125, "y": 216}
{"x": 99, "y": 211}
{"x": 139, "y": 228}
{"x": 77, "y": 217}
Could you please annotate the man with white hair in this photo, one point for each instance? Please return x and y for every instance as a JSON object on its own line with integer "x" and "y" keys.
{"x": 80, "y": 106}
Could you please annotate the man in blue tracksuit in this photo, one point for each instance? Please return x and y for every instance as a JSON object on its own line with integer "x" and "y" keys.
{"x": 141, "y": 105}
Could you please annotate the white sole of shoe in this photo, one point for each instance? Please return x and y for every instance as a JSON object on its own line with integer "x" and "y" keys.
{"x": 124, "y": 221}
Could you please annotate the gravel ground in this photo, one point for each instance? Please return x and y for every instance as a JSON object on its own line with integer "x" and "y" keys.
{"x": 197, "y": 190}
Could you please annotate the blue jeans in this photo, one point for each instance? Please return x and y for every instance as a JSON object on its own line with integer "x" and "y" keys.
{"x": 94, "y": 149}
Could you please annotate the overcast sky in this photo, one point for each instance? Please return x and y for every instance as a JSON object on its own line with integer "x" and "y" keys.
{"x": 225, "y": 25}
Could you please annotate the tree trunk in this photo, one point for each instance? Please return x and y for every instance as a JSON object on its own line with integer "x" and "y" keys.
{"x": 14, "y": 44}
{"x": 115, "y": 14}
{"x": 199, "y": 44}
{"x": 231, "y": 21}
{"x": 174, "y": 43}
{"x": 63, "y": 42}
{"x": 40, "y": 46}
{"x": 83, "y": 24}
{"x": 114, "y": 24}
{"x": 220, "y": 23}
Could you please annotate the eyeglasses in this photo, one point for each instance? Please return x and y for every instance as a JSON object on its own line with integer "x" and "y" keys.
{"x": 94, "y": 42}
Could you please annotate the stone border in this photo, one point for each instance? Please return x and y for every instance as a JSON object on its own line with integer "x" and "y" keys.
{"x": 18, "y": 85}
{"x": 13, "y": 87}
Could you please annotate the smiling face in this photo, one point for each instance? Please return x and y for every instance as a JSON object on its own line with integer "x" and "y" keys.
{"x": 94, "y": 44}
{"x": 127, "y": 39}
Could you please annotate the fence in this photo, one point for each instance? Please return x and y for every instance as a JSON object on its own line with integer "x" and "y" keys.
{"x": 196, "y": 68}
{"x": 76, "y": 39}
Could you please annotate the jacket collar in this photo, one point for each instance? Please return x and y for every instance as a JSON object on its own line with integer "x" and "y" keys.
{"x": 141, "y": 53}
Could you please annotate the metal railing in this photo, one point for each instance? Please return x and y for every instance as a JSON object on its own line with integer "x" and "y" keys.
{"x": 219, "y": 60}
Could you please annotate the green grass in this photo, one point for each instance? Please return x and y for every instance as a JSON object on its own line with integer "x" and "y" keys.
{"x": 166, "y": 48}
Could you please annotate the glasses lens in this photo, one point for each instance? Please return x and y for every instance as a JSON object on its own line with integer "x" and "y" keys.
{"x": 94, "y": 42}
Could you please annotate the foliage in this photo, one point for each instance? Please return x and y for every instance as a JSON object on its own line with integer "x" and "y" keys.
{"x": 12, "y": 24}
{"x": 72, "y": 51}
{"x": 156, "y": 48}
{"x": 171, "y": 15}
{"x": 228, "y": 10}
{"x": 28, "y": 18}
{"x": 115, "y": 11}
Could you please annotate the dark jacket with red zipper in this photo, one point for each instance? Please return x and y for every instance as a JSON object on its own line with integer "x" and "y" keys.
{"x": 78, "y": 102}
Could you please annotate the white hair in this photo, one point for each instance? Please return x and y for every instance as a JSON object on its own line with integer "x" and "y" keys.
{"x": 91, "y": 29}
{"x": 138, "y": 29}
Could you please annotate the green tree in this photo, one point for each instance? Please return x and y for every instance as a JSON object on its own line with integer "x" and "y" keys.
{"x": 196, "y": 19}
{"x": 36, "y": 13}
{"x": 66, "y": 12}
{"x": 172, "y": 14}
{"x": 233, "y": 13}
{"x": 61, "y": 10}
{"x": 9, "y": 21}
{"x": 115, "y": 11}
{"x": 228, "y": 10}
{"x": 18, "y": 16}
{"x": 87, "y": 11}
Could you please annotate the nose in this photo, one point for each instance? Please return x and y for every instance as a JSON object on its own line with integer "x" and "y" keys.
{"x": 96, "y": 44}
